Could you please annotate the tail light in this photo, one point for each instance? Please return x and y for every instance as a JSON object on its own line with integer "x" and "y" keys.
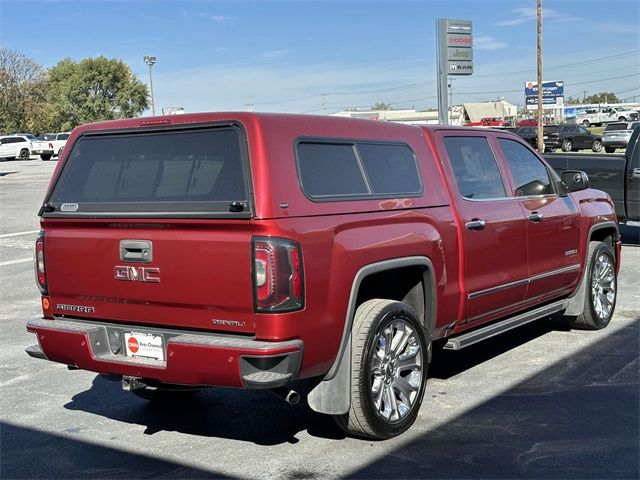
{"x": 51, "y": 145}
{"x": 278, "y": 277}
{"x": 41, "y": 273}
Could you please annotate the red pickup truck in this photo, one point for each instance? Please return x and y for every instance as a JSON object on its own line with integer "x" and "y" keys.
{"x": 251, "y": 250}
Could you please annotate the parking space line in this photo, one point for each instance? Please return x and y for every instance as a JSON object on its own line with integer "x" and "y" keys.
{"x": 17, "y": 234}
{"x": 13, "y": 262}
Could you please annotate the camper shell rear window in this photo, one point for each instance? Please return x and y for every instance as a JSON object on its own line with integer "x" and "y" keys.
{"x": 169, "y": 172}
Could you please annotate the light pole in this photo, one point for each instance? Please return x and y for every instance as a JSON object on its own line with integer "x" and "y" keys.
{"x": 151, "y": 62}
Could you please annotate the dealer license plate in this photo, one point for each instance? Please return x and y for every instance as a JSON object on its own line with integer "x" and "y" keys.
{"x": 146, "y": 345}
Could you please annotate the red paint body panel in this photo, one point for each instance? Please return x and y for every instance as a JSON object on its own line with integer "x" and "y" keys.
{"x": 206, "y": 264}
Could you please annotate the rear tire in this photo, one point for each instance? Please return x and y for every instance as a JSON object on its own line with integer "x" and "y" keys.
{"x": 24, "y": 154}
{"x": 45, "y": 157}
{"x": 567, "y": 145}
{"x": 586, "y": 123}
{"x": 597, "y": 146}
{"x": 388, "y": 370}
{"x": 602, "y": 286}
{"x": 609, "y": 149}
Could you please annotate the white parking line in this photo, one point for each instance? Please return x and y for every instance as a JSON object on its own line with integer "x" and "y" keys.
{"x": 13, "y": 262}
{"x": 5, "y": 235}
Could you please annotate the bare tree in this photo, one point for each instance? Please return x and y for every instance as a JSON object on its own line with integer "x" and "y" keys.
{"x": 22, "y": 92}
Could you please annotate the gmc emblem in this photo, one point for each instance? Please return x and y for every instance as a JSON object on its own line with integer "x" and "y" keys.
{"x": 137, "y": 274}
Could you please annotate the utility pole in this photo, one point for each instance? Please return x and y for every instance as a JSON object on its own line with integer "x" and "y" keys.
{"x": 151, "y": 62}
{"x": 539, "y": 54}
{"x": 450, "y": 100}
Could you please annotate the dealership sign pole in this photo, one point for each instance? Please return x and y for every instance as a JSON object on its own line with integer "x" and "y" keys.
{"x": 454, "y": 57}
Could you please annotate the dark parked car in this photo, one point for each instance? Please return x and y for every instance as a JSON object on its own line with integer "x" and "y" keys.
{"x": 571, "y": 138}
{"x": 530, "y": 134}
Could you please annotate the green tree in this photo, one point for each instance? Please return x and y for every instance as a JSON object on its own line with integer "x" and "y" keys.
{"x": 92, "y": 90}
{"x": 23, "y": 84}
{"x": 381, "y": 106}
{"x": 602, "y": 97}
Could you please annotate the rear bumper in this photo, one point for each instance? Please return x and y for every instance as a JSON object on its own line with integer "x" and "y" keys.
{"x": 192, "y": 358}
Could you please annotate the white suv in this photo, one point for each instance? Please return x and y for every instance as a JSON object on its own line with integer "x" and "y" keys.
{"x": 16, "y": 146}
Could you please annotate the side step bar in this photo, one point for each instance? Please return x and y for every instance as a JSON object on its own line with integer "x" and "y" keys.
{"x": 469, "y": 338}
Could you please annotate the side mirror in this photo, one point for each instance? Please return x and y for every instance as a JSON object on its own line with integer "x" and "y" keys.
{"x": 574, "y": 180}
{"x": 589, "y": 132}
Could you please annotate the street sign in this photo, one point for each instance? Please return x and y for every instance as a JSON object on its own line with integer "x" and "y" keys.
{"x": 455, "y": 57}
{"x": 549, "y": 89}
{"x": 460, "y": 54}
{"x": 459, "y": 26}
{"x": 460, "y": 68}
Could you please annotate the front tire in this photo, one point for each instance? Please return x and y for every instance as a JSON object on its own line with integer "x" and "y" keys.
{"x": 602, "y": 283}
{"x": 388, "y": 370}
{"x": 567, "y": 145}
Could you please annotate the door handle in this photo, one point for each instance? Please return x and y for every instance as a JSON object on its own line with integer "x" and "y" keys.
{"x": 535, "y": 217}
{"x": 635, "y": 173}
{"x": 475, "y": 224}
{"x": 136, "y": 251}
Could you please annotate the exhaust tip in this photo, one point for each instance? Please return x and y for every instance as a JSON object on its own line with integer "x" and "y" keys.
{"x": 290, "y": 396}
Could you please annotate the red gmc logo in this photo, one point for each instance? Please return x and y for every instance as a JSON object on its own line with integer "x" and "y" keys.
{"x": 137, "y": 274}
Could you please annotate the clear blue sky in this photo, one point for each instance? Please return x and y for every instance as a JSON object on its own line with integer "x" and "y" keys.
{"x": 321, "y": 56}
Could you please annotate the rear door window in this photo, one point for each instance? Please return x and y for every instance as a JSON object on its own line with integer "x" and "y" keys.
{"x": 173, "y": 171}
{"x": 475, "y": 167}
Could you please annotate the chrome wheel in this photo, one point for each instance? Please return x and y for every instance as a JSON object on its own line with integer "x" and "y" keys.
{"x": 603, "y": 286}
{"x": 396, "y": 370}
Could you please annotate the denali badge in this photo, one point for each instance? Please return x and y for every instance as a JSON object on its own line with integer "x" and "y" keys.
{"x": 75, "y": 308}
{"x": 228, "y": 323}
{"x": 137, "y": 274}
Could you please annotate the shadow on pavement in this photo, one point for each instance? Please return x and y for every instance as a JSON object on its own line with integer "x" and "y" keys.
{"x": 28, "y": 453}
{"x": 255, "y": 416}
{"x": 580, "y": 418}
{"x": 447, "y": 363}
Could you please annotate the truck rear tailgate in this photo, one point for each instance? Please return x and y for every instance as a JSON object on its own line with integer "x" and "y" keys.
{"x": 198, "y": 275}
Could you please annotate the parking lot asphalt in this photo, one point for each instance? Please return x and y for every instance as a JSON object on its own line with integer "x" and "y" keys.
{"x": 543, "y": 401}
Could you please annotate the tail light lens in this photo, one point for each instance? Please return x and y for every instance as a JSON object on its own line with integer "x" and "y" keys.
{"x": 51, "y": 145}
{"x": 41, "y": 273}
{"x": 278, "y": 277}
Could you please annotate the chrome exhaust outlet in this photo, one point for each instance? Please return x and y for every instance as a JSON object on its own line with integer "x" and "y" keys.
{"x": 290, "y": 396}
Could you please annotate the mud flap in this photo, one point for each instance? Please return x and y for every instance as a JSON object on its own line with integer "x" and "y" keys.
{"x": 332, "y": 396}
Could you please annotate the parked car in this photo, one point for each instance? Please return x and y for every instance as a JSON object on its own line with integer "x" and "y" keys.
{"x": 43, "y": 148}
{"x": 250, "y": 250}
{"x": 59, "y": 142}
{"x": 489, "y": 122}
{"x": 571, "y": 138}
{"x": 617, "y": 135}
{"x": 528, "y": 133}
{"x": 618, "y": 175}
{"x": 16, "y": 146}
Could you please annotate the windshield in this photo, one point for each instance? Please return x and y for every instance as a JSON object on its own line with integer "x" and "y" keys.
{"x": 615, "y": 126}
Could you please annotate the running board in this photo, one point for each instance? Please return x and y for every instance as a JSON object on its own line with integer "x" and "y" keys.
{"x": 466, "y": 339}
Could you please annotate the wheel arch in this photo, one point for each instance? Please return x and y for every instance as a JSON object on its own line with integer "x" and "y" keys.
{"x": 331, "y": 395}
{"x": 599, "y": 232}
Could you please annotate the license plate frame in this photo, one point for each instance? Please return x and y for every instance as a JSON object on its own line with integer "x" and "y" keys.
{"x": 141, "y": 344}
